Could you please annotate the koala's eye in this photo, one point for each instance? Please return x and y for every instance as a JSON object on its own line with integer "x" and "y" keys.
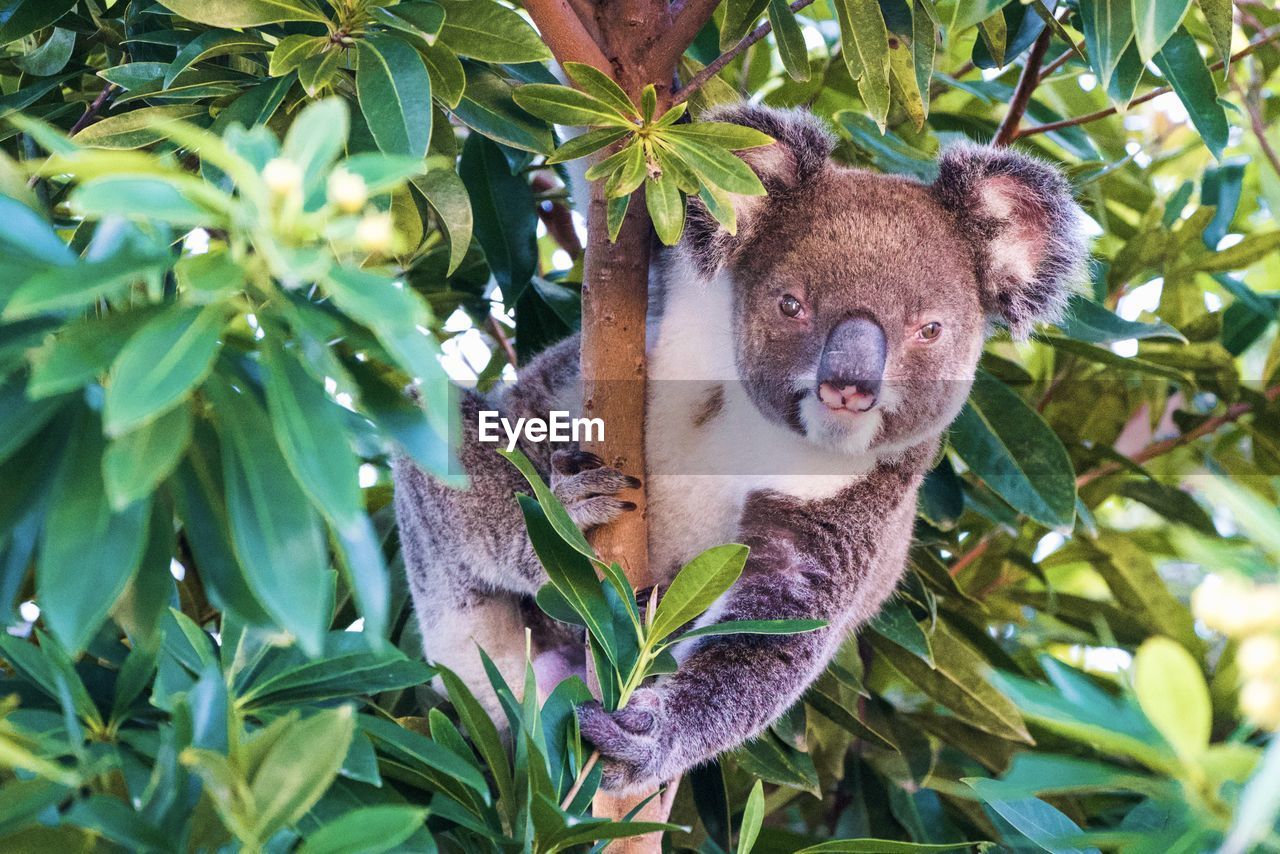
{"x": 790, "y": 306}
{"x": 929, "y": 331}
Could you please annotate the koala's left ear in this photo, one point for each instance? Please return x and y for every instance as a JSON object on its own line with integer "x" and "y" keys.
{"x": 1024, "y": 226}
{"x": 796, "y": 158}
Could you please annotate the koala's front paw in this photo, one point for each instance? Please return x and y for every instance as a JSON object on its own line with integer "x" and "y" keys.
{"x": 588, "y": 488}
{"x": 631, "y": 741}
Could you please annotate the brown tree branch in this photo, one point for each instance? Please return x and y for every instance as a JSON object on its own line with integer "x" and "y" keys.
{"x": 1270, "y": 36}
{"x": 91, "y": 112}
{"x": 1027, "y": 83}
{"x": 1158, "y": 449}
{"x": 713, "y": 68}
{"x": 565, "y": 34}
{"x": 1061, "y": 60}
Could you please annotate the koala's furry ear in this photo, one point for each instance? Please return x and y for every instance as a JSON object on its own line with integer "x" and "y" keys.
{"x": 799, "y": 153}
{"x": 1025, "y": 227}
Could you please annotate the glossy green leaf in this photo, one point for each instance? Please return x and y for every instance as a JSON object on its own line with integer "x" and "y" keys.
{"x": 278, "y": 538}
{"x": 1108, "y": 32}
{"x": 504, "y": 215}
{"x": 244, "y": 13}
{"x": 696, "y": 586}
{"x": 1179, "y": 60}
{"x": 20, "y": 18}
{"x": 136, "y": 128}
{"x": 161, "y": 365}
{"x": 135, "y": 462}
{"x": 1010, "y": 447}
{"x": 395, "y": 95}
{"x": 566, "y": 106}
{"x": 1154, "y": 21}
{"x": 84, "y": 535}
{"x": 369, "y": 830}
{"x": 483, "y": 29}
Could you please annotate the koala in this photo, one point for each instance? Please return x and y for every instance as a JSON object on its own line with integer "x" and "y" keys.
{"x": 802, "y": 372}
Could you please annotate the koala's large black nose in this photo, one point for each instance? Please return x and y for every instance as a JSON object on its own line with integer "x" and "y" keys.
{"x": 852, "y": 365}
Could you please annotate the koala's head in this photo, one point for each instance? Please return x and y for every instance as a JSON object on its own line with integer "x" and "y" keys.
{"x": 861, "y": 301}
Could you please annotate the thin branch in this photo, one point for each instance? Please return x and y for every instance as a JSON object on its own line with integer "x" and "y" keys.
{"x": 682, "y": 94}
{"x": 565, "y": 34}
{"x": 979, "y": 549}
{"x": 1270, "y": 36}
{"x": 1027, "y": 83}
{"x": 582, "y": 778}
{"x": 1060, "y": 61}
{"x": 91, "y": 112}
{"x": 500, "y": 335}
{"x": 1158, "y": 449}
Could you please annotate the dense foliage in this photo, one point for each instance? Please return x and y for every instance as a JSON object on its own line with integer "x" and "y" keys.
{"x": 232, "y": 232}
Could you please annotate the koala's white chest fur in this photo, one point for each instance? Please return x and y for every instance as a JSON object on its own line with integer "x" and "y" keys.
{"x": 704, "y": 460}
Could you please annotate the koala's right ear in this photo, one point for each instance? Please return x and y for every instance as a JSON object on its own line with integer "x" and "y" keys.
{"x": 798, "y": 154}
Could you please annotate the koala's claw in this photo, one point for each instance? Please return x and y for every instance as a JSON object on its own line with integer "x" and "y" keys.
{"x": 629, "y": 740}
{"x": 588, "y": 488}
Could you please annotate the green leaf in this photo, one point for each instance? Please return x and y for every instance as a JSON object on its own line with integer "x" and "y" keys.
{"x": 85, "y": 538}
{"x": 210, "y": 44}
{"x": 277, "y": 536}
{"x": 19, "y": 18}
{"x": 897, "y": 624}
{"x": 720, "y": 134}
{"x": 565, "y": 106}
{"x": 969, "y": 13}
{"x": 1108, "y": 33}
{"x": 1172, "y": 693}
{"x": 1181, "y": 64}
{"x": 294, "y": 50}
{"x": 483, "y": 733}
{"x": 51, "y": 56}
{"x": 487, "y": 106}
{"x": 161, "y": 365}
{"x": 739, "y": 16}
{"x": 136, "y": 462}
{"x": 447, "y": 195}
{"x": 367, "y": 830}
{"x": 1138, "y": 589}
{"x": 958, "y": 682}
{"x": 316, "y": 138}
{"x": 505, "y": 216}
{"x": 1217, "y": 13}
{"x": 752, "y": 819}
{"x": 666, "y": 207}
{"x": 696, "y": 586}
{"x": 485, "y": 30}
{"x": 395, "y": 95}
{"x": 1043, "y": 824}
{"x": 244, "y": 13}
{"x": 294, "y": 774}
{"x": 1154, "y": 21}
{"x": 715, "y": 166}
{"x": 1092, "y": 323}
{"x": 753, "y": 627}
{"x": 20, "y": 418}
{"x": 75, "y": 286}
{"x": 136, "y": 128}
{"x": 572, "y": 575}
{"x": 865, "y": 47}
{"x": 448, "y": 78}
{"x": 173, "y": 199}
{"x": 595, "y": 82}
{"x": 458, "y": 772}
{"x": 420, "y": 19}
{"x": 316, "y": 72}
{"x": 1010, "y": 447}
{"x": 556, "y": 515}
{"x": 790, "y": 39}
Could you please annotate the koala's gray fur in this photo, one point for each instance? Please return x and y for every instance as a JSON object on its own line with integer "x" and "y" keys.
{"x": 739, "y": 446}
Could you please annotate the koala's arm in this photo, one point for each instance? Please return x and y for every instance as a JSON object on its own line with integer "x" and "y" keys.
{"x": 834, "y": 560}
{"x": 479, "y": 531}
